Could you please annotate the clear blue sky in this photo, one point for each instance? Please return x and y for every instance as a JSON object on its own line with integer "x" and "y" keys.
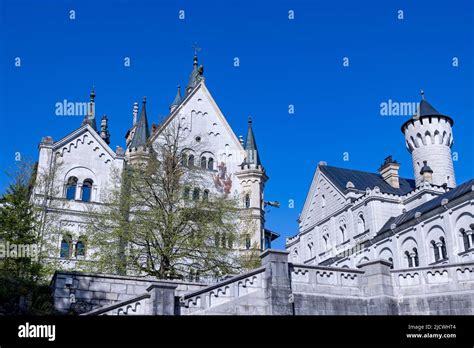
{"x": 282, "y": 62}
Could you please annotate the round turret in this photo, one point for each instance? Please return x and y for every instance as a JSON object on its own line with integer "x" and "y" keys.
{"x": 429, "y": 138}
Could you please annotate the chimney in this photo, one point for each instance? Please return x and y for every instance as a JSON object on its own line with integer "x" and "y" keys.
{"x": 389, "y": 172}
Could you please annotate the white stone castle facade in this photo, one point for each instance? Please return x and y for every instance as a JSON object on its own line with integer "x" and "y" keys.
{"x": 351, "y": 217}
{"x": 84, "y": 165}
{"x": 368, "y": 243}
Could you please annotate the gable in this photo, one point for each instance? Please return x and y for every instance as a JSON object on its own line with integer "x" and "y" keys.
{"x": 84, "y": 136}
{"x": 200, "y": 118}
{"x": 323, "y": 199}
{"x": 212, "y": 122}
{"x": 84, "y": 155}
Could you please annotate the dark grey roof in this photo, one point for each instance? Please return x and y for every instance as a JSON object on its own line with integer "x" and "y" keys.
{"x": 426, "y": 109}
{"x": 178, "y": 99}
{"x": 251, "y": 146}
{"x": 426, "y": 168}
{"x": 142, "y": 133}
{"x": 196, "y": 75}
{"x": 430, "y": 205}
{"x": 364, "y": 180}
{"x": 273, "y": 235}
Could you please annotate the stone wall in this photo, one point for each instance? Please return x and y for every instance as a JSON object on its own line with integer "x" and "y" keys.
{"x": 82, "y": 292}
{"x": 279, "y": 288}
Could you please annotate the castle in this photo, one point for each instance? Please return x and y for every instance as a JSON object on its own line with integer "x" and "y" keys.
{"x": 84, "y": 164}
{"x": 368, "y": 243}
{"x": 351, "y": 217}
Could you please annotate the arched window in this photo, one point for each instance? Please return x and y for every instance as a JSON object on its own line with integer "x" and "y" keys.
{"x": 66, "y": 245}
{"x": 210, "y": 164}
{"x": 435, "y": 250}
{"x": 186, "y": 192}
{"x": 444, "y": 252}
{"x": 81, "y": 247}
{"x": 87, "y": 190}
{"x": 71, "y": 188}
{"x": 184, "y": 160}
{"x": 417, "y": 262}
{"x": 409, "y": 259}
{"x": 247, "y": 201}
{"x": 323, "y": 201}
{"x": 191, "y": 161}
{"x": 205, "y": 195}
{"x": 326, "y": 241}
{"x": 247, "y": 242}
{"x": 230, "y": 242}
{"x": 203, "y": 162}
{"x": 216, "y": 239}
{"x": 310, "y": 250}
{"x": 342, "y": 228}
{"x": 439, "y": 249}
{"x": 466, "y": 238}
{"x": 196, "y": 193}
{"x": 361, "y": 223}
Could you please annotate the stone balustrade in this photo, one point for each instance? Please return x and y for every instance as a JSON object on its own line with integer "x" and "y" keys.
{"x": 410, "y": 281}
{"x": 320, "y": 279}
{"x": 227, "y": 291}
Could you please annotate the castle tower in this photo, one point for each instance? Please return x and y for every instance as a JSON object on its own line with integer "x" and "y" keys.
{"x": 177, "y": 100}
{"x": 429, "y": 137}
{"x": 196, "y": 75}
{"x": 252, "y": 178}
{"x": 104, "y": 129}
{"x": 138, "y": 150}
{"x": 90, "y": 117}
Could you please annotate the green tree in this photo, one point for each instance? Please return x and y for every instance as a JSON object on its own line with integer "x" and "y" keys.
{"x": 22, "y": 288}
{"x": 160, "y": 220}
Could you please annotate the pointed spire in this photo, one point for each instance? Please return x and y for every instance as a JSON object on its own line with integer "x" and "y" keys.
{"x": 251, "y": 146}
{"x": 135, "y": 113}
{"x": 142, "y": 133}
{"x": 90, "y": 117}
{"x": 425, "y": 108}
{"x": 92, "y": 94}
{"x": 177, "y": 100}
{"x": 104, "y": 129}
{"x": 197, "y": 73}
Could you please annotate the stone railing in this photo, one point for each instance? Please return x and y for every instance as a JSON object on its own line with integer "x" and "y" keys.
{"x": 223, "y": 292}
{"x": 318, "y": 279}
{"x": 134, "y": 306}
{"x": 434, "y": 279}
{"x": 159, "y": 299}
